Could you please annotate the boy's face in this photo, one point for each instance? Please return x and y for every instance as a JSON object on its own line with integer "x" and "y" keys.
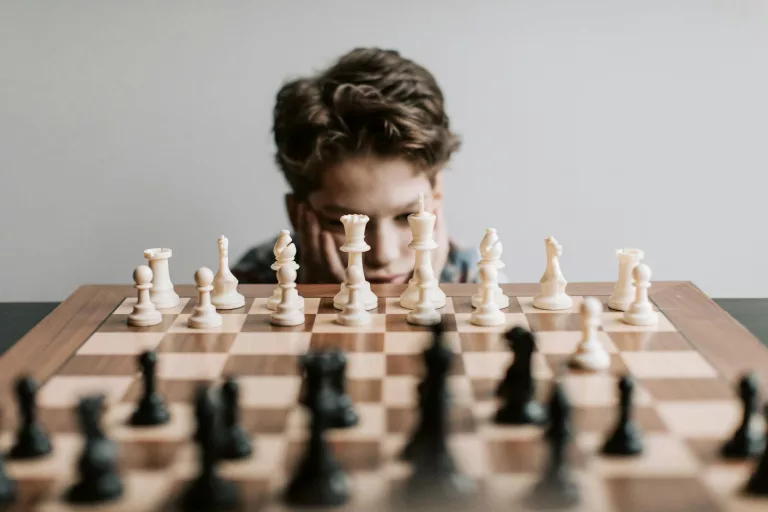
{"x": 387, "y": 191}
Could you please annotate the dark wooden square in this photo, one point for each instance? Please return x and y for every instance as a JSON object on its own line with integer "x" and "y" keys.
{"x": 364, "y": 390}
{"x": 119, "y": 323}
{"x": 604, "y": 419}
{"x": 483, "y": 342}
{"x": 690, "y": 389}
{"x": 100, "y": 365}
{"x": 413, "y": 364}
{"x": 262, "y": 364}
{"x": 399, "y": 323}
{"x": 560, "y": 366}
{"x": 463, "y": 304}
{"x": 180, "y": 391}
{"x": 197, "y": 342}
{"x": 348, "y": 341}
{"x": 402, "y": 420}
{"x": 351, "y": 454}
{"x": 264, "y": 420}
{"x": 665, "y": 493}
{"x": 148, "y": 455}
{"x": 260, "y": 323}
{"x": 527, "y": 455}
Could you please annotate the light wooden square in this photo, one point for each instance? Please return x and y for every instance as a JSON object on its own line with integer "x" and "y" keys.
{"x": 366, "y": 365}
{"x": 120, "y": 343}
{"x": 269, "y": 391}
{"x": 566, "y": 342}
{"x": 599, "y": 390}
{"x": 711, "y": 419}
{"x": 463, "y": 323}
{"x": 63, "y": 391}
{"x": 663, "y": 454}
{"x": 668, "y": 365}
{"x": 190, "y": 366}
{"x": 126, "y": 307}
{"x": 612, "y": 322}
{"x": 327, "y": 323}
{"x": 415, "y": 343}
{"x": 271, "y": 343}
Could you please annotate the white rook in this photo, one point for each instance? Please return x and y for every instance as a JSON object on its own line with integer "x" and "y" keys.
{"x": 624, "y": 291}
{"x": 162, "y": 294}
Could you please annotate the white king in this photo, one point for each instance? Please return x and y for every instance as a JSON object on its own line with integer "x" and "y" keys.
{"x": 355, "y": 246}
{"x": 422, "y": 226}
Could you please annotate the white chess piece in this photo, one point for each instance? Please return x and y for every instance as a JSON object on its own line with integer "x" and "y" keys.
{"x": 552, "y": 296}
{"x": 641, "y": 312}
{"x": 422, "y": 226}
{"x": 424, "y": 313}
{"x": 288, "y": 313}
{"x": 204, "y": 315}
{"x": 487, "y": 313}
{"x": 624, "y": 291}
{"x": 144, "y": 312}
{"x": 286, "y": 258}
{"x": 490, "y": 254}
{"x": 355, "y": 246}
{"x": 162, "y": 293}
{"x": 590, "y": 354}
{"x": 225, "y": 294}
{"x": 283, "y": 240}
{"x": 354, "y": 312}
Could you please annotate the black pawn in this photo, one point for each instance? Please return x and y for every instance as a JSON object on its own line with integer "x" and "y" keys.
{"x": 626, "y": 438}
{"x": 744, "y": 442}
{"x": 99, "y": 480}
{"x": 151, "y": 410}
{"x": 236, "y": 442}
{"x": 208, "y": 491}
{"x": 32, "y": 440}
{"x": 8, "y": 487}
{"x": 346, "y": 416}
{"x": 557, "y": 489}
{"x": 517, "y": 389}
{"x": 757, "y": 485}
{"x": 318, "y": 480}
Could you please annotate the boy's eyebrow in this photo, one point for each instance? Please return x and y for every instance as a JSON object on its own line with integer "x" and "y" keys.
{"x": 413, "y": 206}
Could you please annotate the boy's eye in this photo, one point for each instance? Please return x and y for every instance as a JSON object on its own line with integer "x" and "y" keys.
{"x": 402, "y": 218}
{"x": 334, "y": 223}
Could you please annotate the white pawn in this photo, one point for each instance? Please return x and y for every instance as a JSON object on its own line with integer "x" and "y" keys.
{"x": 552, "y": 296}
{"x": 590, "y": 353}
{"x": 205, "y": 315}
{"x": 288, "y": 313}
{"x": 225, "y": 294}
{"x": 488, "y": 313}
{"x": 641, "y": 311}
{"x": 490, "y": 254}
{"x": 354, "y": 312}
{"x": 282, "y": 242}
{"x": 424, "y": 312}
{"x": 144, "y": 312}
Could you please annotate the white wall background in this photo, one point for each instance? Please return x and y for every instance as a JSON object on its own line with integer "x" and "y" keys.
{"x": 133, "y": 124}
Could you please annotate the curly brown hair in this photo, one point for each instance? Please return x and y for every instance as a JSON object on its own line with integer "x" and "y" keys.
{"x": 371, "y": 101}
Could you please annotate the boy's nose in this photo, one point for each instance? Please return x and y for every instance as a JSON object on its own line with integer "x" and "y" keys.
{"x": 385, "y": 246}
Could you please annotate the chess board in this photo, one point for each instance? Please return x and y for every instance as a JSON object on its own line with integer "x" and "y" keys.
{"x": 685, "y": 370}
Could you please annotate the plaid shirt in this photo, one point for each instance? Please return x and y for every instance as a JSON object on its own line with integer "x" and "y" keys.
{"x": 254, "y": 266}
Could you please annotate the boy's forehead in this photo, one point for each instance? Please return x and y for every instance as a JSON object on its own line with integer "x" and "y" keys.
{"x": 370, "y": 185}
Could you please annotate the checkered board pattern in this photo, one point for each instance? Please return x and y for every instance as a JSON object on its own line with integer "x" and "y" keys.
{"x": 684, "y": 408}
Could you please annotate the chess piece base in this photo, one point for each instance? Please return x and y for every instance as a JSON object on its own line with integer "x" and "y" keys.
{"x": 210, "y": 493}
{"x": 151, "y": 411}
{"x": 410, "y": 297}
{"x": 425, "y": 318}
{"x": 625, "y": 441}
{"x": 640, "y": 318}
{"x": 356, "y": 319}
{"x": 145, "y": 318}
{"x": 592, "y": 360}
{"x": 274, "y": 300}
{"x": 530, "y": 413}
{"x": 106, "y": 488}
{"x": 552, "y": 303}
{"x": 370, "y": 300}
{"x": 310, "y": 490}
{"x": 487, "y": 318}
{"x": 206, "y": 321}
{"x": 32, "y": 443}
{"x": 620, "y": 303}
{"x": 290, "y": 319}
{"x": 165, "y": 299}
{"x": 231, "y": 301}
{"x": 744, "y": 444}
{"x": 500, "y": 299}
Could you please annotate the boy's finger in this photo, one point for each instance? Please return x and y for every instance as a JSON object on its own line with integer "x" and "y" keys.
{"x": 332, "y": 259}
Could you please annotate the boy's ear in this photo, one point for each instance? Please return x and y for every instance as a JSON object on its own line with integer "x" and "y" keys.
{"x": 437, "y": 187}
{"x": 292, "y": 207}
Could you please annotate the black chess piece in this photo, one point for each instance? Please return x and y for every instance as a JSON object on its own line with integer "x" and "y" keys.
{"x": 626, "y": 438}
{"x": 557, "y": 488}
{"x": 757, "y": 485}
{"x": 209, "y": 491}
{"x": 99, "y": 480}
{"x": 151, "y": 409}
{"x": 236, "y": 442}
{"x": 32, "y": 440}
{"x": 318, "y": 480}
{"x": 8, "y": 486}
{"x": 517, "y": 389}
{"x": 346, "y": 416}
{"x": 745, "y": 442}
{"x": 435, "y": 479}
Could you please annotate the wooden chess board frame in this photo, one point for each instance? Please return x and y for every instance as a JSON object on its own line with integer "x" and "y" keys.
{"x": 728, "y": 346}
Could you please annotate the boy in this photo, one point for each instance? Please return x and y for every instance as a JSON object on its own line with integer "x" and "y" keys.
{"x": 367, "y": 136}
